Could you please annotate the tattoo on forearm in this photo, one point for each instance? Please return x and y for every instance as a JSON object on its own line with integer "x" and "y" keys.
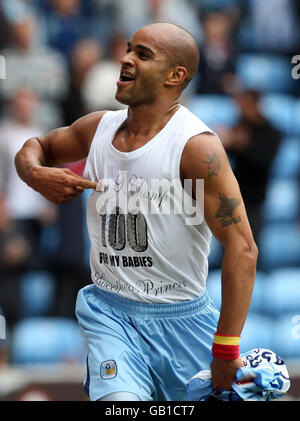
{"x": 213, "y": 164}
{"x": 225, "y": 211}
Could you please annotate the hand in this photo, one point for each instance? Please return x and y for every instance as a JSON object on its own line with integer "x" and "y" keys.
{"x": 58, "y": 185}
{"x": 223, "y": 372}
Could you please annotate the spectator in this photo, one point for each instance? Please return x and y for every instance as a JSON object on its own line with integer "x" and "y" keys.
{"x": 64, "y": 25}
{"x": 84, "y": 57}
{"x": 103, "y": 21}
{"x": 100, "y": 85}
{"x": 253, "y": 143}
{"x": 143, "y": 12}
{"x": 274, "y": 25}
{"x": 23, "y": 211}
{"x": 217, "y": 56}
{"x": 37, "y": 67}
{"x": 31, "y": 64}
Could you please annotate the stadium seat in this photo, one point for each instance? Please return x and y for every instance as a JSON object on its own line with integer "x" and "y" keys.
{"x": 265, "y": 72}
{"x": 282, "y": 201}
{"x": 257, "y": 332}
{"x": 278, "y": 109}
{"x": 287, "y": 336}
{"x": 279, "y": 245}
{"x": 286, "y": 163}
{"x": 259, "y": 293}
{"x": 215, "y": 110}
{"x": 37, "y": 293}
{"x": 283, "y": 291}
{"x": 213, "y": 285}
{"x": 47, "y": 340}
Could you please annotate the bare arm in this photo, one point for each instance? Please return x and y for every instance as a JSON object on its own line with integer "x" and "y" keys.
{"x": 204, "y": 158}
{"x": 37, "y": 160}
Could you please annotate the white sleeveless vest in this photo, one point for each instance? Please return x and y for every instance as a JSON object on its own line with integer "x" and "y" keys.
{"x": 149, "y": 241}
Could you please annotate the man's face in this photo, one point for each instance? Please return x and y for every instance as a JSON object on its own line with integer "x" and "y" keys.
{"x": 143, "y": 69}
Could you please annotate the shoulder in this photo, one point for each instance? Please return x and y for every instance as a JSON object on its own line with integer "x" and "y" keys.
{"x": 202, "y": 152}
{"x": 86, "y": 126}
{"x": 202, "y": 143}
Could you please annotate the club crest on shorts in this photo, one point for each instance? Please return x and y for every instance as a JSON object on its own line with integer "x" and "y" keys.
{"x": 108, "y": 369}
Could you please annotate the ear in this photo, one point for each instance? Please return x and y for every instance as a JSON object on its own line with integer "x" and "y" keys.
{"x": 176, "y": 76}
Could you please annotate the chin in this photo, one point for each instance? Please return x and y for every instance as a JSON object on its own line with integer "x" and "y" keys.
{"x": 122, "y": 100}
{"x": 126, "y": 101}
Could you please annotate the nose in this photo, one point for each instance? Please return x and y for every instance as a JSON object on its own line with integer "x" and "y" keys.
{"x": 127, "y": 58}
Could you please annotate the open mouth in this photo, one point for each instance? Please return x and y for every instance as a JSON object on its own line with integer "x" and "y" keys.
{"x": 126, "y": 77}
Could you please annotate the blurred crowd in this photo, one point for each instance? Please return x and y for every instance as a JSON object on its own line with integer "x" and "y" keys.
{"x": 63, "y": 60}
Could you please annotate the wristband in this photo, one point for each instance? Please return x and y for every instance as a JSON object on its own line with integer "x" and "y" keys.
{"x": 226, "y": 347}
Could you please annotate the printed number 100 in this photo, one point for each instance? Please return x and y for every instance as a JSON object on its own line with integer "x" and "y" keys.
{"x": 114, "y": 231}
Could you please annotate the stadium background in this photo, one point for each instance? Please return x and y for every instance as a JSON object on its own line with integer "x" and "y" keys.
{"x": 62, "y": 61}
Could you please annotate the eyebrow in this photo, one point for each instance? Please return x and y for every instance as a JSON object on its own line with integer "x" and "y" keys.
{"x": 142, "y": 47}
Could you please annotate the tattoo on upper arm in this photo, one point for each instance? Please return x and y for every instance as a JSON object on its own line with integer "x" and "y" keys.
{"x": 54, "y": 132}
{"x": 225, "y": 211}
{"x": 213, "y": 164}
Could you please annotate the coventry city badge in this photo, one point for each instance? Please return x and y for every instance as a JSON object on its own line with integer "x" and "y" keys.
{"x": 108, "y": 369}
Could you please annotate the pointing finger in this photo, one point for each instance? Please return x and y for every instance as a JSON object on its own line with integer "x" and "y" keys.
{"x": 87, "y": 184}
{"x": 82, "y": 182}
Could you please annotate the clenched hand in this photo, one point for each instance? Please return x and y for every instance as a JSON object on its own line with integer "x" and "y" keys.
{"x": 223, "y": 372}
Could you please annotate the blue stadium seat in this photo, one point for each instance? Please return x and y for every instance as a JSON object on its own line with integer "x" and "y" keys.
{"x": 282, "y": 293}
{"x": 286, "y": 163}
{"x": 259, "y": 293}
{"x": 287, "y": 336}
{"x": 215, "y": 110}
{"x": 278, "y": 109}
{"x": 265, "y": 72}
{"x": 279, "y": 245}
{"x": 37, "y": 293}
{"x": 213, "y": 285}
{"x": 257, "y": 332}
{"x": 282, "y": 201}
{"x": 47, "y": 340}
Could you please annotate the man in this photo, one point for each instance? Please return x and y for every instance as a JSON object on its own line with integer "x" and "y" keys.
{"x": 148, "y": 322}
{"x": 23, "y": 212}
{"x": 253, "y": 143}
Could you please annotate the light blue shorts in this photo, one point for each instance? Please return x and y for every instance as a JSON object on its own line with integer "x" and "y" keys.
{"x": 151, "y": 350}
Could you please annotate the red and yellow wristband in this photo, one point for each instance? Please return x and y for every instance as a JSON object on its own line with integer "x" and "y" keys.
{"x": 226, "y": 347}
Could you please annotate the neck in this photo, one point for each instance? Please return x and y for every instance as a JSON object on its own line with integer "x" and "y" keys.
{"x": 149, "y": 118}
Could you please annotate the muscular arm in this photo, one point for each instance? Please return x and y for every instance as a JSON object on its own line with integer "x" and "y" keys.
{"x": 224, "y": 210}
{"x": 36, "y": 162}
